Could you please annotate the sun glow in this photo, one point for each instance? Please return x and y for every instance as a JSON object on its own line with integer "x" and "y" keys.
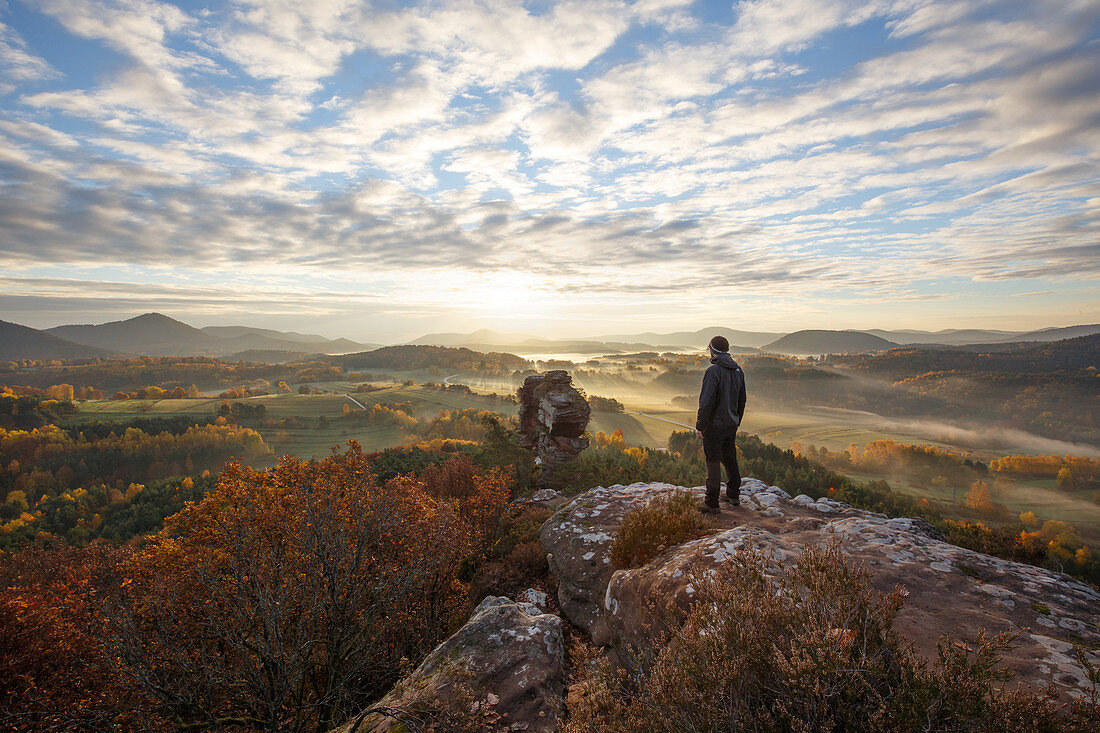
{"x": 505, "y": 297}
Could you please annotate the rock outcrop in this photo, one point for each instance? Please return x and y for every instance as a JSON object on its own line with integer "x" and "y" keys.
{"x": 577, "y": 540}
{"x": 552, "y": 418}
{"x": 951, "y": 589}
{"x": 507, "y": 659}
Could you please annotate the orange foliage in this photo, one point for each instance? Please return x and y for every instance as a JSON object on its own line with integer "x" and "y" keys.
{"x": 54, "y": 672}
{"x": 297, "y": 591}
{"x": 479, "y": 499}
{"x": 979, "y": 498}
{"x": 1079, "y": 466}
{"x": 615, "y": 440}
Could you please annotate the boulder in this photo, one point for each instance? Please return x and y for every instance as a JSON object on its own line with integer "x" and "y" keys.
{"x": 507, "y": 658}
{"x": 553, "y": 416}
{"x": 952, "y": 590}
{"x": 545, "y": 495}
{"x": 577, "y": 540}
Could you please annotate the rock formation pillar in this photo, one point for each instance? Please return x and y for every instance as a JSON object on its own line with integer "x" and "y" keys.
{"x": 553, "y": 416}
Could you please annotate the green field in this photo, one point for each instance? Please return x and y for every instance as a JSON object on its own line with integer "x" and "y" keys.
{"x": 311, "y": 439}
{"x": 1039, "y": 496}
{"x": 426, "y": 400}
{"x": 636, "y": 430}
{"x": 782, "y": 428}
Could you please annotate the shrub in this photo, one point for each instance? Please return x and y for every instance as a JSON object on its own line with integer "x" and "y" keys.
{"x": 997, "y": 541}
{"x": 668, "y": 519}
{"x": 604, "y": 404}
{"x": 516, "y": 559}
{"x": 810, "y": 648}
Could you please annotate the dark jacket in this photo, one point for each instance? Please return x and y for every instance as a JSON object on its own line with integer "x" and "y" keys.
{"x": 722, "y": 398}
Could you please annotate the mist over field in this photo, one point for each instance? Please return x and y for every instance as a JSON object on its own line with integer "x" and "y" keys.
{"x": 979, "y": 437}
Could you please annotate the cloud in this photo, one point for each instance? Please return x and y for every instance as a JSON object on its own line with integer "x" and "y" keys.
{"x": 138, "y": 28}
{"x": 607, "y": 148}
{"x": 18, "y": 65}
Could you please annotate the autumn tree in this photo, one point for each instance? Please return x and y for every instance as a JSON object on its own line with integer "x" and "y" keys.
{"x": 54, "y": 674}
{"x": 1065, "y": 479}
{"x": 286, "y": 599}
{"x": 60, "y": 392}
{"x": 978, "y": 498}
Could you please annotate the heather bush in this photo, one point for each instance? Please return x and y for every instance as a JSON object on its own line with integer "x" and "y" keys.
{"x": 668, "y": 519}
{"x": 805, "y": 647}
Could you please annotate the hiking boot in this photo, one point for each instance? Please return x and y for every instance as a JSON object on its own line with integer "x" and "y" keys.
{"x": 706, "y": 508}
{"x": 732, "y": 500}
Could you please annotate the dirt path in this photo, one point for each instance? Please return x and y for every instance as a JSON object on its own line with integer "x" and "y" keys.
{"x": 662, "y": 419}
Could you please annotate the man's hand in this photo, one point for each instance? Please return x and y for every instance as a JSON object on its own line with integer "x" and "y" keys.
{"x": 699, "y": 434}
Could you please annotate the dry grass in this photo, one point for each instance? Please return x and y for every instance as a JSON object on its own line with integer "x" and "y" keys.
{"x": 809, "y": 649}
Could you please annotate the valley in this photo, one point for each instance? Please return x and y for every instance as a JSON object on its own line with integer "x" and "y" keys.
{"x": 654, "y": 389}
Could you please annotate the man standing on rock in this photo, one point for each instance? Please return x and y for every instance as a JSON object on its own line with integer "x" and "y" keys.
{"x": 721, "y": 406}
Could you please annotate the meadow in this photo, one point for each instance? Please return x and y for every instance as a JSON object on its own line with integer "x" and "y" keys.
{"x": 313, "y": 424}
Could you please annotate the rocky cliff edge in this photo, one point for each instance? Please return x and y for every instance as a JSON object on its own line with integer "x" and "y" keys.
{"x": 951, "y": 590}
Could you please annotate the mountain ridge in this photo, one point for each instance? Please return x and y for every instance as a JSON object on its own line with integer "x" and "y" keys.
{"x": 23, "y": 342}
{"x": 150, "y": 334}
{"x": 816, "y": 341}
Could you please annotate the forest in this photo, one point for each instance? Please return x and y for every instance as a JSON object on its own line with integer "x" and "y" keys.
{"x": 411, "y": 358}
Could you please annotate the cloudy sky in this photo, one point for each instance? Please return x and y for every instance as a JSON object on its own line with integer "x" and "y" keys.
{"x": 381, "y": 170}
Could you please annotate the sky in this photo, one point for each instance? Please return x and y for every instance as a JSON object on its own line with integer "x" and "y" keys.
{"x": 384, "y": 170}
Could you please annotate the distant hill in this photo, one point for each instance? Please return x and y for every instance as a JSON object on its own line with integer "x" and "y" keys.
{"x": 411, "y": 357}
{"x": 483, "y": 337}
{"x": 270, "y": 356}
{"x": 1015, "y": 358}
{"x": 698, "y": 338}
{"x": 569, "y": 346}
{"x": 24, "y": 342}
{"x": 226, "y": 332}
{"x": 259, "y": 342}
{"x": 266, "y": 339}
{"x": 150, "y": 334}
{"x": 972, "y": 336}
{"x": 949, "y": 337}
{"x": 828, "y": 342}
{"x": 487, "y": 340}
{"x": 1058, "y": 334}
{"x": 154, "y": 334}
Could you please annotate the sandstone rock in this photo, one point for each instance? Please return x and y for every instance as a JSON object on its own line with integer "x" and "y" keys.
{"x": 578, "y": 542}
{"x": 552, "y": 418}
{"x": 545, "y": 495}
{"x": 951, "y": 590}
{"x": 507, "y": 656}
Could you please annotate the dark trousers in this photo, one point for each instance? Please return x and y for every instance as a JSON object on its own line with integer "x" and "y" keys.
{"x": 719, "y": 450}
